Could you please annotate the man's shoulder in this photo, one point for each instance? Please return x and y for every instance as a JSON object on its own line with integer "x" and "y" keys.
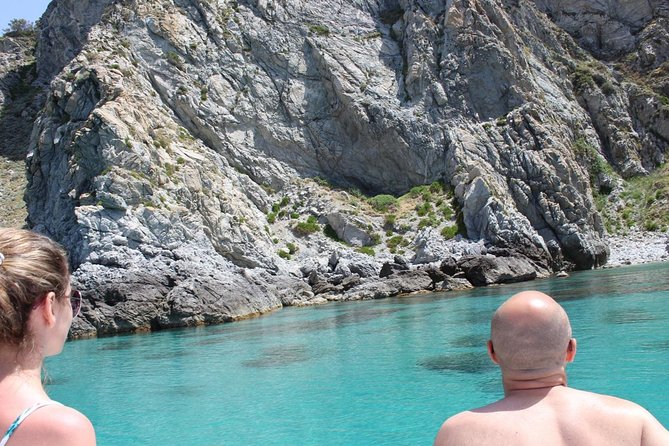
{"x": 606, "y": 402}
{"x": 460, "y": 428}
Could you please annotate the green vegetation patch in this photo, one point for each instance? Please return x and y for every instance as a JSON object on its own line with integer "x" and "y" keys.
{"x": 643, "y": 203}
{"x": 582, "y": 77}
{"x": 284, "y": 254}
{"x": 305, "y": 228}
{"x": 174, "y": 59}
{"x": 366, "y": 250}
{"x": 383, "y": 202}
{"x": 320, "y": 30}
{"x": 448, "y": 232}
{"x": 590, "y": 156}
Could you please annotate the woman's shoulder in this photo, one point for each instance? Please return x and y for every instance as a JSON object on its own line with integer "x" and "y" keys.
{"x": 58, "y": 425}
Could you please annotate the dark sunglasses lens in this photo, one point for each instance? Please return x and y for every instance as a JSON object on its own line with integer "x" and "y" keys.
{"x": 75, "y": 300}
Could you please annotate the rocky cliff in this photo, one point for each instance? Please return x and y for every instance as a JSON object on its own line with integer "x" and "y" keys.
{"x": 206, "y": 160}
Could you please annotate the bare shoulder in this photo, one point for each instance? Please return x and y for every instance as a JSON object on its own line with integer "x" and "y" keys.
{"x": 612, "y": 403}
{"x": 628, "y": 413}
{"x": 61, "y": 425}
{"x": 457, "y": 429}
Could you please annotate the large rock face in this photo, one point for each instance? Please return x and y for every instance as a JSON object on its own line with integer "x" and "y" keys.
{"x": 176, "y": 126}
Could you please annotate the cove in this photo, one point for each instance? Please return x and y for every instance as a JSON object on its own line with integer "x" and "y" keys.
{"x": 364, "y": 373}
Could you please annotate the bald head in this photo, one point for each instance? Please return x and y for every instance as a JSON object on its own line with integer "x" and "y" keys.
{"x": 529, "y": 332}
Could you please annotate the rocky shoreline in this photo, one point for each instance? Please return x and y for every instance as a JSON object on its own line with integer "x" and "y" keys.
{"x": 638, "y": 247}
{"x": 183, "y": 291}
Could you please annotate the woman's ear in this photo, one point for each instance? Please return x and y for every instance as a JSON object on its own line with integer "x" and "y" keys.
{"x": 47, "y": 308}
{"x": 491, "y": 352}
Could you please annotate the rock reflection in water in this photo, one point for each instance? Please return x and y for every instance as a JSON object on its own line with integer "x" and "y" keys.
{"x": 471, "y": 362}
{"x": 628, "y": 316}
{"x": 478, "y": 340}
{"x": 656, "y": 345}
{"x": 120, "y": 345}
{"x": 183, "y": 391}
{"x": 279, "y": 356}
{"x": 168, "y": 354}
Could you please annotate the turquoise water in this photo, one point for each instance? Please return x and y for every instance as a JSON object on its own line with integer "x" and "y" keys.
{"x": 363, "y": 373}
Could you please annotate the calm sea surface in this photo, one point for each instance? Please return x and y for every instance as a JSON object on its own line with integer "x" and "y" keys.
{"x": 364, "y": 373}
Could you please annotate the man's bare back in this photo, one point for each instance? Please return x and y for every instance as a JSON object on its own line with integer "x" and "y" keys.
{"x": 557, "y": 416}
{"x": 531, "y": 342}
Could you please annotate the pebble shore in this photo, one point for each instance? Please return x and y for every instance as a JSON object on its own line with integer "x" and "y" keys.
{"x": 638, "y": 247}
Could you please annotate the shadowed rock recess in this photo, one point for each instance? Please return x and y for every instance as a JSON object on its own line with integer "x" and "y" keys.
{"x": 205, "y": 161}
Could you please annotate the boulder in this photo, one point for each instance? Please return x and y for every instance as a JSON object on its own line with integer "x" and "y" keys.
{"x": 488, "y": 269}
{"x": 390, "y": 268}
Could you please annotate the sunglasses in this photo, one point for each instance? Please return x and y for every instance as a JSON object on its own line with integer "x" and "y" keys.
{"x": 75, "y": 301}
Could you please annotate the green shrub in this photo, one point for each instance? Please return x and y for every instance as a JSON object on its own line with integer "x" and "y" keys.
{"x": 596, "y": 163}
{"x": 366, "y": 250}
{"x": 294, "y": 215}
{"x": 428, "y": 221}
{"x": 169, "y": 169}
{"x": 446, "y": 211}
{"x": 448, "y": 232}
{"x": 271, "y": 217}
{"x": 19, "y": 28}
{"x": 436, "y": 187}
{"x": 389, "y": 220}
{"x": 423, "y": 209}
{"x": 161, "y": 141}
{"x": 383, "y": 202}
{"x": 582, "y": 78}
{"x": 376, "y": 238}
{"x": 322, "y": 181}
{"x": 608, "y": 88}
{"x": 393, "y": 242}
{"x": 417, "y": 191}
{"x": 307, "y": 227}
{"x": 651, "y": 225}
{"x": 320, "y": 30}
{"x": 181, "y": 160}
{"x": 283, "y": 254}
{"x": 292, "y": 248}
{"x": 174, "y": 59}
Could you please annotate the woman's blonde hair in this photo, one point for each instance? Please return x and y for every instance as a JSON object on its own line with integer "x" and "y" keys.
{"x": 31, "y": 265}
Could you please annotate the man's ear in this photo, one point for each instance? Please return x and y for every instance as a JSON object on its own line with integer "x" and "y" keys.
{"x": 491, "y": 352}
{"x": 571, "y": 350}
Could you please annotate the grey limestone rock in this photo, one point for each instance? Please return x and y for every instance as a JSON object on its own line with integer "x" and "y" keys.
{"x": 489, "y": 269}
{"x": 181, "y": 141}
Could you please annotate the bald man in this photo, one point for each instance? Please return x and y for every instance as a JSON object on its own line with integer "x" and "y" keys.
{"x": 531, "y": 342}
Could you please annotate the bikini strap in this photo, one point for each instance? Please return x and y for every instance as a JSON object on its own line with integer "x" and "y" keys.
{"x": 22, "y": 417}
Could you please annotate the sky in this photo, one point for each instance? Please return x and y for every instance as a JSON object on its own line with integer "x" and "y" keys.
{"x": 21, "y": 9}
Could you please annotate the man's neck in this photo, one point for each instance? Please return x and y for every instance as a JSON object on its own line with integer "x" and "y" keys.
{"x": 524, "y": 382}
